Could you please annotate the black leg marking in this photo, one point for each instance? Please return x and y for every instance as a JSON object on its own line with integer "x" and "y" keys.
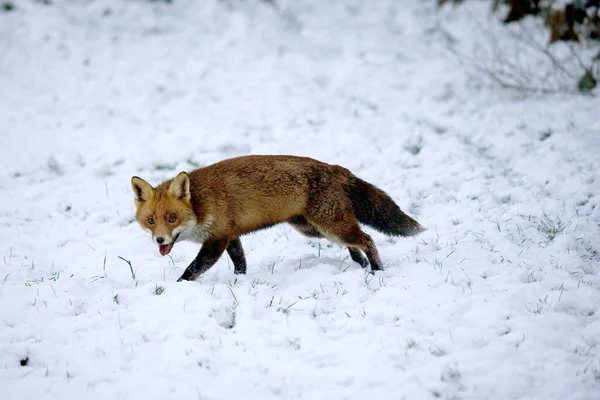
{"x": 207, "y": 257}
{"x": 357, "y": 256}
{"x": 236, "y": 253}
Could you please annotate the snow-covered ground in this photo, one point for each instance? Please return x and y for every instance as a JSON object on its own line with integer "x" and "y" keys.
{"x": 498, "y": 299}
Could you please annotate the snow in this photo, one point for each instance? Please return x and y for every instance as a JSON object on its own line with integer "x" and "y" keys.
{"x": 498, "y": 299}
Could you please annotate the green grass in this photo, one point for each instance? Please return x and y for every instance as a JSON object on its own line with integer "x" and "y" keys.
{"x": 549, "y": 228}
{"x": 103, "y": 276}
{"x": 130, "y": 267}
{"x": 287, "y": 309}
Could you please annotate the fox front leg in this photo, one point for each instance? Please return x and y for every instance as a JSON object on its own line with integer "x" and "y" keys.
{"x": 236, "y": 253}
{"x": 207, "y": 257}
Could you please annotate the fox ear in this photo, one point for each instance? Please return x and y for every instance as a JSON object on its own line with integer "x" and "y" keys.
{"x": 180, "y": 187}
{"x": 142, "y": 190}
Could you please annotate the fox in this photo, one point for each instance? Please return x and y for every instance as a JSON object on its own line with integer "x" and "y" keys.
{"x": 217, "y": 204}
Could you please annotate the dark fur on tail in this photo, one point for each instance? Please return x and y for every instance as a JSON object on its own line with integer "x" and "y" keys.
{"x": 373, "y": 207}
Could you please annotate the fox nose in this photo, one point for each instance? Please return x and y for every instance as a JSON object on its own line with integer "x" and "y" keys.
{"x": 160, "y": 240}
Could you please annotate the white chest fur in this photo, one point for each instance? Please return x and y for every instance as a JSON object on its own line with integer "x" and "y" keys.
{"x": 197, "y": 233}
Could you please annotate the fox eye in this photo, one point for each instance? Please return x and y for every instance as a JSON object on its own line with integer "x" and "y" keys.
{"x": 151, "y": 221}
{"x": 172, "y": 218}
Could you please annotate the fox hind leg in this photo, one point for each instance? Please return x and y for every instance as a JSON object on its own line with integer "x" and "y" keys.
{"x": 346, "y": 231}
{"x": 357, "y": 257}
{"x": 304, "y": 227}
{"x": 307, "y": 229}
{"x": 372, "y": 254}
{"x": 358, "y": 239}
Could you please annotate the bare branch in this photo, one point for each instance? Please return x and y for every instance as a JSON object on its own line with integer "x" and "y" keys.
{"x": 509, "y": 59}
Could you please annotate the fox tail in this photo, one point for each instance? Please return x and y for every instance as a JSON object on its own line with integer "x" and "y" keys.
{"x": 374, "y": 208}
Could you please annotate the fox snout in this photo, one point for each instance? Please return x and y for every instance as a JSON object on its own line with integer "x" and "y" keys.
{"x": 162, "y": 239}
{"x": 165, "y": 243}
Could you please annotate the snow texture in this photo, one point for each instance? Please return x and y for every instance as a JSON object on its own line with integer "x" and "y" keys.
{"x": 498, "y": 299}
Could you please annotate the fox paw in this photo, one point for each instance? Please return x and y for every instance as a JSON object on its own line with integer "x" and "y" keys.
{"x": 186, "y": 277}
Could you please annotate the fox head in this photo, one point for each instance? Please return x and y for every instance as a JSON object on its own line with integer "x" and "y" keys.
{"x": 166, "y": 211}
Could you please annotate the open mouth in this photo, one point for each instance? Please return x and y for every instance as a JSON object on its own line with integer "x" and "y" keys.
{"x": 166, "y": 248}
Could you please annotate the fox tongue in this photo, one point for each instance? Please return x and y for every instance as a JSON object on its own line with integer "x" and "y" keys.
{"x": 164, "y": 249}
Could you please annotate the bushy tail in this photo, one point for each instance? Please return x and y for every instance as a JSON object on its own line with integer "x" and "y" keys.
{"x": 373, "y": 207}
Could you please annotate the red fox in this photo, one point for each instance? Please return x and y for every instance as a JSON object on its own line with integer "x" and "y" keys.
{"x": 217, "y": 204}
